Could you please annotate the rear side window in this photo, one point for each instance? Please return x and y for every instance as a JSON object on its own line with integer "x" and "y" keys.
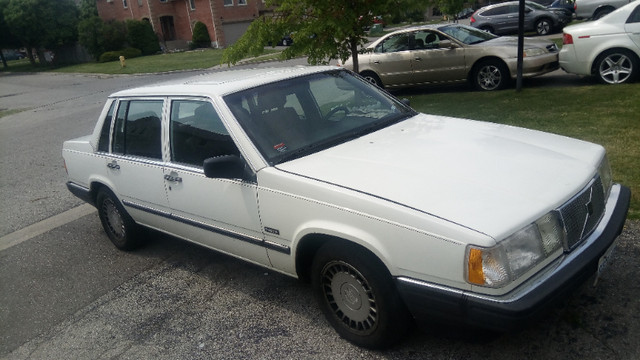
{"x": 103, "y": 142}
{"x": 138, "y": 128}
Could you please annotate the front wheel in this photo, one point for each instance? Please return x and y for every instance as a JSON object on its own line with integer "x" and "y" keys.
{"x": 616, "y": 67}
{"x": 357, "y": 295}
{"x": 119, "y": 226}
{"x": 490, "y": 75}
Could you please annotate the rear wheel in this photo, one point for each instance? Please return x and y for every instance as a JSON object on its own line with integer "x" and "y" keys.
{"x": 357, "y": 295}
{"x": 490, "y": 75}
{"x": 544, "y": 26}
{"x": 119, "y": 226}
{"x": 602, "y": 12}
{"x": 616, "y": 66}
{"x": 372, "y": 78}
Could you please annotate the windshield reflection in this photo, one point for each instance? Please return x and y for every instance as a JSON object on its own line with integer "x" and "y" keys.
{"x": 303, "y": 115}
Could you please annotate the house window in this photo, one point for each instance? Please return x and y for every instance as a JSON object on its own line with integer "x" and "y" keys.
{"x": 139, "y": 2}
{"x": 228, "y": 2}
{"x": 124, "y": 4}
{"x": 242, "y": 2}
{"x": 192, "y": 3}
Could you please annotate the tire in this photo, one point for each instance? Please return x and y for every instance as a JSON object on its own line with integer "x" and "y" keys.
{"x": 544, "y": 26}
{"x": 616, "y": 66}
{"x": 372, "y": 78}
{"x": 119, "y": 226}
{"x": 490, "y": 75}
{"x": 488, "y": 29}
{"x": 602, "y": 12}
{"x": 368, "y": 311}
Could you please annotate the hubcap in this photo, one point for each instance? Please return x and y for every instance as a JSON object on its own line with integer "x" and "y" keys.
{"x": 543, "y": 28}
{"x": 489, "y": 77}
{"x": 114, "y": 219}
{"x": 350, "y": 297}
{"x": 616, "y": 68}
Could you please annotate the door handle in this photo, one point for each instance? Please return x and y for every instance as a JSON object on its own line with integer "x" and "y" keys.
{"x": 172, "y": 178}
{"x": 113, "y": 165}
{"x": 417, "y": 58}
{"x": 376, "y": 62}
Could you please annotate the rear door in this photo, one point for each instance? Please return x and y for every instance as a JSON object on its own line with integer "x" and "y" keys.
{"x": 391, "y": 60}
{"x": 134, "y": 165}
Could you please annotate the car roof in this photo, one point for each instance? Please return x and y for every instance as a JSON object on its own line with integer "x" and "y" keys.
{"x": 221, "y": 83}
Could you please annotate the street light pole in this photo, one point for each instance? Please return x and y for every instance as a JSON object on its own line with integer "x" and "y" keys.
{"x": 520, "y": 44}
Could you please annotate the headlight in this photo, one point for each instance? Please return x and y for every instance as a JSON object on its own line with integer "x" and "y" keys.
{"x": 514, "y": 256}
{"x": 605, "y": 176}
{"x": 533, "y": 52}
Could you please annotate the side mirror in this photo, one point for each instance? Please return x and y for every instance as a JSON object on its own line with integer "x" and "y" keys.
{"x": 225, "y": 167}
{"x": 447, "y": 44}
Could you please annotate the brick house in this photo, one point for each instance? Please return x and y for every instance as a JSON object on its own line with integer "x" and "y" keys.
{"x": 173, "y": 20}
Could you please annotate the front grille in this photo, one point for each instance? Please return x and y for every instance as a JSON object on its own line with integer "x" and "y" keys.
{"x": 582, "y": 213}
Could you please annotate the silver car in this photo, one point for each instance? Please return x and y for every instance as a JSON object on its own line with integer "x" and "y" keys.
{"x": 451, "y": 53}
{"x": 503, "y": 18}
{"x": 595, "y": 9}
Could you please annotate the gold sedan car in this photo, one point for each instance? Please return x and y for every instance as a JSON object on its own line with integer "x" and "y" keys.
{"x": 449, "y": 54}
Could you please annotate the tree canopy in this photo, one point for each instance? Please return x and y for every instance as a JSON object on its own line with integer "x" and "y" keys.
{"x": 322, "y": 30}
{"x": 42, "y": 23}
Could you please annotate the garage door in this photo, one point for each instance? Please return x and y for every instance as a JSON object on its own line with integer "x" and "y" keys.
{"x": 233, "y": 31}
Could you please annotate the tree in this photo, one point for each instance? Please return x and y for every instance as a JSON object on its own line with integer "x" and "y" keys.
{"x": 42, "y": 24}
{"x": 322, "y": 30}
{"x": 7, "y": 40}
{"x": 450, "y": 7}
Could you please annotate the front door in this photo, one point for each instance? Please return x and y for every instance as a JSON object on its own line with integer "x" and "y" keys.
{"x": 432, "y": 64}
{"x": 218, "y": 213}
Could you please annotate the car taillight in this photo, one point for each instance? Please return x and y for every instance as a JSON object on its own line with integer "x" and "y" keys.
{"x": 472, "y": 20}
{"x": 567, "y": 39}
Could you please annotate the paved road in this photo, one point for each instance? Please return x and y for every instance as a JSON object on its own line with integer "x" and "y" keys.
{"x": 67, "y": 293}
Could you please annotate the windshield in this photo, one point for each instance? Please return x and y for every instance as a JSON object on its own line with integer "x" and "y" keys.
{"x": 467, "y": 34}
{"x": 303, "y": 115}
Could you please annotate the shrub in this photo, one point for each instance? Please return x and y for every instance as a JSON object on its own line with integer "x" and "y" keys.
{"x": 140, "y": 35}
{"x": 128, "y": 53}
{"x": 200, "y": 36}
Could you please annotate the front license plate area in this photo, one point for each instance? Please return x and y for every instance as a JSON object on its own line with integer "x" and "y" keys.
{"x": 604, "y": 261}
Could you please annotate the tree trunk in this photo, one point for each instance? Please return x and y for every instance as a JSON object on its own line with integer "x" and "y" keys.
{"x": 354, "y": 55}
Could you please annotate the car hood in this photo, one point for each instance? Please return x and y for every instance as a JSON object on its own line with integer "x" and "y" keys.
{"x": 512, "y": 41}
{"x": 488, "y": 177}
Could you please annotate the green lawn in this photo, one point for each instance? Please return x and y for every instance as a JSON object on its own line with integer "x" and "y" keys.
{"x": 607, "y": 115}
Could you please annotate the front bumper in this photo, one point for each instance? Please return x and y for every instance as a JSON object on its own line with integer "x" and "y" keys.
{"x": 535, "y": 65}
{"x": 428, "y": 301}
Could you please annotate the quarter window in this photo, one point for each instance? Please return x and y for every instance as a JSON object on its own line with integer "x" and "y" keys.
{"x": 137, "y": 128}
{"x": 103, "y": 142}
{"x": 197, "y": 133}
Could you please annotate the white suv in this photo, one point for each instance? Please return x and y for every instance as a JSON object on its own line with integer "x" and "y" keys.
{"x": 390, "y": 214}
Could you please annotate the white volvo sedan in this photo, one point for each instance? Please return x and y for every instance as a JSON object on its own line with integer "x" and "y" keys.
{"x": 392, "y": 215}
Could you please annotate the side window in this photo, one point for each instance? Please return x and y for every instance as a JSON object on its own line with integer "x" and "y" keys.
{"x": 103, "y": 142}
{"x": 138, "y": 128}
{"x": 395, "y": 43}
{"x": 426, "y": 40}
{"x": 197, "y": 133}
